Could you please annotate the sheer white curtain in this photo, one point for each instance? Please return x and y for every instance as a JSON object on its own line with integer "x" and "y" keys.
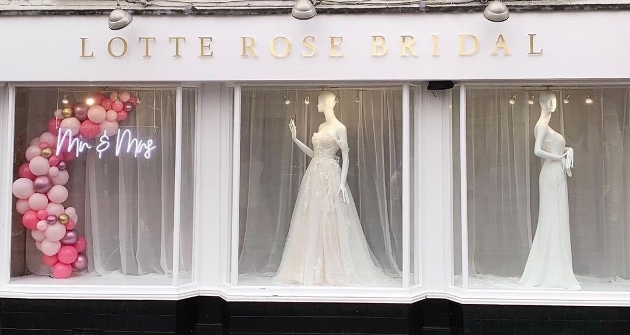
{"x": 503, "y": 180}
{"x": 272, "y": 167}
{"x": 124, "y": 204}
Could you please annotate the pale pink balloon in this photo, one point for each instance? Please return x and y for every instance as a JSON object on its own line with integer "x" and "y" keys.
{"x": 97, "y": 114}
{"x": 54, "y": 209}
{"x": 23, "y": 188}
{"x": 109, "y": 128}
{"x": 50, "y": 248}
{"x": 58, "y": 114}
{"x": 38, "y": 245}
{"x": 58, "y": 194}
{"x": 49, "y": 138}
{"x": 53, "y": 171}
{"x": 38, "y": 235}
{"x": 113, "y": 96}
{"x": 35, "y": 141}
{"x": 38, "y": 201}
{"x": 62, "y": 178}
{"x": 71, "y": 211}
{"x": 42, "y": 225}
{"x": 124, "y": 96}
{"x": 32, "y": 152}
{"x": 55, "y": 232}
{"x": 39, "y": 166}
{"x": 22, "y": 206}
{"x": 75, "y": 218}
{"x": 72, "y": 124}
{"x": 111, "y": 115}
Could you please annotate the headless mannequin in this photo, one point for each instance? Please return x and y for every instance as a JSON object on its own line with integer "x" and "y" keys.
{"x": 326, "y": 104}
{"x": 548, "y": 104}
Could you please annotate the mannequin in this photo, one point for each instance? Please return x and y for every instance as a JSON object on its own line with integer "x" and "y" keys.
{"x": 326, "y": 244}
{"x": 550, "y": 263}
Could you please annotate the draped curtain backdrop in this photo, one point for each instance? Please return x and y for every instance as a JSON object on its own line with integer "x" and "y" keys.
{"x": 125, "y": 204}
{"x": 272, "y": 167}
{"x": 503, "y": 180}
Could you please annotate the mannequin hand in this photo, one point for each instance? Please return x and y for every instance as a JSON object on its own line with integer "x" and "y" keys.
{"x": 293, "y": 130}
{"x": 567, "y": 166}
{"x": 344, "y": 192}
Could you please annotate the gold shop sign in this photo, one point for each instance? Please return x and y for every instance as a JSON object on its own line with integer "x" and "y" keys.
{"x": 282, "y": 47}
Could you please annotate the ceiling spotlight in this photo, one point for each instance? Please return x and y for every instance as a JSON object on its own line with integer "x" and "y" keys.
{"x": 496, "y": 11}
{"x": 513, "y": 99}
{"x": 286, "y": 99}
{"x": 531, "y": 100}
{"x": 357, "y": 99}
{"x": 119, "y": 18}
{"x": 589, "y": 99}
{"x": 65, "y": 100}
{"x": 89, "y": 101}
{"x": 566, "y": 99}
{"x": 307, "y": 100}
{"x": 303, "y": 10}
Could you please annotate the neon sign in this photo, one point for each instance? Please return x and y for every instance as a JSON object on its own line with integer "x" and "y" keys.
{"x": 125, "y": 143}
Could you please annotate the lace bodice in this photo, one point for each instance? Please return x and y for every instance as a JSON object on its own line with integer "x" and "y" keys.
{"x": 554, "y": 142}
{"x": 326, "y": 146}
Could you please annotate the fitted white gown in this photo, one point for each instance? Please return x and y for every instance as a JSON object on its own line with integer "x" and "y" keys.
{"x": 326, "y": 244}
{"x": 550, "y": 264}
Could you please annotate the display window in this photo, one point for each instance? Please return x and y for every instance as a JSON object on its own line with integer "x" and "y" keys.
{"x": 103, "y": 185}
{"x": 546, "y": 188}
{"x": 320, "y": 196}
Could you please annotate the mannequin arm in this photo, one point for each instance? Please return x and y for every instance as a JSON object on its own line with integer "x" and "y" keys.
{"x": 540, "y": 132}
{"x": 343, "y": 145}
{"x": 308, "y": 151}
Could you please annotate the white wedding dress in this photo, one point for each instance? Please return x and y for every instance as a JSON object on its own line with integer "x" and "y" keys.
{"x": 326, "y": 244}
{"x": 550, "y": 264}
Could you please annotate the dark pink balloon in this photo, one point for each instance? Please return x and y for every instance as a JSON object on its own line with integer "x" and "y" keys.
{"x": 42, "y": 184}
{"x": 107, "y": 103}
{"x": 89, "y": 129}
{"x": 25, "y": 172}
{"x": 61, "y": 270}
{"x": 62, "y": 165}
{"x": 118, "y": 105}
{"x": 50, "y": 260}
{"x": 44, "y": 145}
{"x": 71, "y": 237}
{"x": 42, "y": 214}
{"x": 29, "y": 219}
{"x": 133, "y": 99}
{"x": 53, "y": 160}
{"x": 53, "y": 126}
{"x": 81, "y": 263}
{"x": 129, "y": 107}
{"x": 81, "y": 244}
{"x": 121, "y": 116}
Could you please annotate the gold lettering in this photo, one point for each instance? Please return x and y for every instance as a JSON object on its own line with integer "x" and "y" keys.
{"x": 109, "y": 47}
{"x": 436, "y": 40}
{"x": 204, "y": 44}
{"x": 309, "y": 45}
{"x": 83, "y": 55}
{"x": 531, "y": 46}
{"x": 335, "y": 46}
{"x": 407, "y": 46}
{"x": 287, "y": 49}
{"x": 379, "y": 46}
{"x": 176, "y": 39}
{"x": 501, "y": 44}
{"x": 146, "y": 40}
{"x": 462, "y": 45}
{"x": 248, "y": 47}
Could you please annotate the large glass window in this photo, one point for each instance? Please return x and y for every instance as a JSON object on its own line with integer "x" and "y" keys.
{"x": 95, "y": 185}
{"x": 292, "y": 214}
{"x": 548, "y": 213}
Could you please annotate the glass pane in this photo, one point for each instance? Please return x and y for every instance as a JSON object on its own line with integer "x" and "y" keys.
{"x": 94, "y": 186}
{"x": 293, "y": 215}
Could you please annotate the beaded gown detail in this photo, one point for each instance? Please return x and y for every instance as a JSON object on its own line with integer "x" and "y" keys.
{"x": 326, "y": 244}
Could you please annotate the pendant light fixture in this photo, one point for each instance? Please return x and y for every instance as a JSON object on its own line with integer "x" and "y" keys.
{"x": 496, "y": 11}
{"x": 119, "y": 18}
{"x": 303, "y": 10}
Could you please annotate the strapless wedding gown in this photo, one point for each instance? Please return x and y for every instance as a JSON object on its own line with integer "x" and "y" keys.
{"x": 550, "y": 264}
{"x": 326, "y": 244}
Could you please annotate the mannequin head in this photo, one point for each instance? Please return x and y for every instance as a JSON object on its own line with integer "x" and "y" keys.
{"x": 548, "y": 101}
{"x": 326, "y": 101}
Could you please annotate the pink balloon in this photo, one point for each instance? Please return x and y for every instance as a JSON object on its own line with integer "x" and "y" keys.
{"x": 29, "y": 219}
{"x": 69, "y": 156}
{"x": 42, "y": 225}
{"x": 75, "y": 218}
{"x": 71, "y": 211}
{"x": 50, "y": 260}
{"x": 58, "y": 194}
{"x": 23, "y": 188}
{"x": 22, "y": 206}
{"x": 53, "y": 171}
{"x": 43, "y": 145}
{"x": 133, "y": 99}
{"x": 54, "y": 209}
{"x": 109, "y": 128}
{"x": 58, "y": 114}
{"x": 97, "y": 114}
{"x": 124, "y": 96}
{"x": 25, "y": 172}
{"x": 38, "y": 235}
{"x": 32, "y": 152}
{"x": 62, "y": 178}
{"x": 70, "y": 225}
{"x": 39, "y": 166}
{"x": 67, "y": 254}
{"x": 37, "y": 202}
{"x": 42, "y": 214}
{"x": 49, "y": 138}
{"x": 53, "y": 160}
{"x": 107, "y": 103}
{"x": 81, "y": 244}
{"x": 72, "y": 124}
{"x": 89, "y": 129}
{"x": 111, "y": 115}
{"x": 98, "y": 97}
{"x": 55, "y": 232}
{"x": 61, "y": 270}
{"x": 118, "y": 106}
{"x": 38, "y": 245}
{"x": 121, "y": 116}
{"x": 113, "y": 96}
{"x": 53, "y": 126}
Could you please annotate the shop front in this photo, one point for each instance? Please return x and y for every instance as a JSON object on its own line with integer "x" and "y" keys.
{"x": 241, "y": 161}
